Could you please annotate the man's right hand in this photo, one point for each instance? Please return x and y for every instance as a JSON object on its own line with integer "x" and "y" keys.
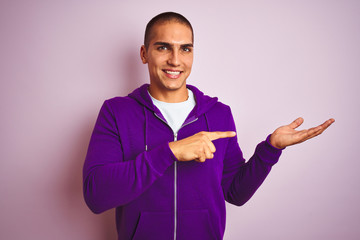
{"x": 198, "y": 147}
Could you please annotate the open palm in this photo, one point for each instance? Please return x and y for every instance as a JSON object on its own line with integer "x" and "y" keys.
{"x": 287, "y": 135}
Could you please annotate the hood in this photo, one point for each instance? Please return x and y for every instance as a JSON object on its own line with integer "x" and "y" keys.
{"x": 203, "y": 102}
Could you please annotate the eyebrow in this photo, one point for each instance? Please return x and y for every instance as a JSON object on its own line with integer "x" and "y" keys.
{"x": 171, "y": 45}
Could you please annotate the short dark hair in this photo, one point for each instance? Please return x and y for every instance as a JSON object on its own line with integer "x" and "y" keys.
{"x": 162, "y": 18}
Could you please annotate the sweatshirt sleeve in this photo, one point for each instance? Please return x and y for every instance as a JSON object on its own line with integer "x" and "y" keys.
{"x": 108, "y": 180}
{"x": 241, "y": 179}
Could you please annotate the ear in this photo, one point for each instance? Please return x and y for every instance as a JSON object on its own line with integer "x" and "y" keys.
{"x": 143, "y": 54}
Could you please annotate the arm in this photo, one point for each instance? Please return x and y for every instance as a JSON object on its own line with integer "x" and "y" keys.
{"x": 108, "y": 180}
{"x": 241, "y": 180}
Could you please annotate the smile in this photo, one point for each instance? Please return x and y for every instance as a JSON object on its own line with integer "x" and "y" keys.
{"x": 172, "y": 73}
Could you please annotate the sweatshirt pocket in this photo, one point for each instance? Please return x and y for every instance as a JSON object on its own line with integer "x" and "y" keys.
{"x": 195, "y": 224}
{"x": 155, "y": 225}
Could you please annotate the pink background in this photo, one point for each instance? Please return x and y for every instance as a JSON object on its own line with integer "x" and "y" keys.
{"x": 271, "y": 61}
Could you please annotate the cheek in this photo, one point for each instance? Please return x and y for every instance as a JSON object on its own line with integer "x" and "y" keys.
{"x": 189, "y": 63}
{"x": 189, "y": 59}
{"x": 153, "y": 65}
{"x": 158, "y": 62}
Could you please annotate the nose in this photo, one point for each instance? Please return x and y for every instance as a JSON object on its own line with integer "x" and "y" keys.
{"x": 174, "y": 58}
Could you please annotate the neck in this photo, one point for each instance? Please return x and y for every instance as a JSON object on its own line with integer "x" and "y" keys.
{"x": 170, "y": 96}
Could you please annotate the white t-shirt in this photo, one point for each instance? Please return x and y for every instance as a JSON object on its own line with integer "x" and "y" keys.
{"x": 175, "y": 114}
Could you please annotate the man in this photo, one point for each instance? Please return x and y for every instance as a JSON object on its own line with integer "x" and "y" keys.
{"x": 166, "y": 156}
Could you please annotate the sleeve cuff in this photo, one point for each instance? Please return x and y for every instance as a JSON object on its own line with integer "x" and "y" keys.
{"x": 161, "y": 157}
{"x": 268, "y": 153}
{"x": 268, "y": 142}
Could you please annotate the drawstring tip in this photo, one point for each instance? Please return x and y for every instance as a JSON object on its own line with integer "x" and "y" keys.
{"x": 145, "y": 147}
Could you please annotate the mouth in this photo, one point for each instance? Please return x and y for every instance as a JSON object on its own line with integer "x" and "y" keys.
{"x": 172, "y": 73}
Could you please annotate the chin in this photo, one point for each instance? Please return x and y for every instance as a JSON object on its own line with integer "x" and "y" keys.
{"x": 174, "y": 86}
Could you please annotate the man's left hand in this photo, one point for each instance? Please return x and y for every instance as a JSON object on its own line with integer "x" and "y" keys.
{"x": 287, "y": 135}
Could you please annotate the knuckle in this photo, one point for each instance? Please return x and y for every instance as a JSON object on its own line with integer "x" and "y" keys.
{"x": 199, "y": 134}
{"x": 204, "y": 136}
{"x": 198, "y": 153}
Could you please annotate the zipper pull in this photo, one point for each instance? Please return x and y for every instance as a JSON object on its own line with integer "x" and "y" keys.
{"x": 175, "y": 137}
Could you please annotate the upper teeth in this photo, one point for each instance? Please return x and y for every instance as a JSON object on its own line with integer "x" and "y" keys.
{"x": 172, "y": 72}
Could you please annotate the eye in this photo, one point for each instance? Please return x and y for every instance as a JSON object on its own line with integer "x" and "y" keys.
{"x": 186, "y": 49}
{"x": 162, "y": 48}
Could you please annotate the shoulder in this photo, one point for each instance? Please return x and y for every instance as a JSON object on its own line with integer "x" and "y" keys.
{"x": 207, "y": 103}
{"x": 221, "y": 109}
{"x": 120, "y": 106}
{"x": 122, "y": 102}
{"x": 220, "y": 118}
{"x": 222, "y": 106}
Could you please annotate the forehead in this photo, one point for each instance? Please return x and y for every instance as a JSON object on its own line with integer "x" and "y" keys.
{"x": 172, "y": 32}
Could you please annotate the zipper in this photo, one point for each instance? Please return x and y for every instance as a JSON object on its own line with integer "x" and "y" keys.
{"x": 175, "y": 172}
{"x": 175, "y": 192}
{"x": 188, "y": 123}
{"x": 175, "y": 181}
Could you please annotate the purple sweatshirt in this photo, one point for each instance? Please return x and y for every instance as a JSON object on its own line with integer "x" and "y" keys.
{"x": 129, "y": 166}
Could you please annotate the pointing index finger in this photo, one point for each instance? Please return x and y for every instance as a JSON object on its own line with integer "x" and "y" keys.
{"x": 216, "y": 135}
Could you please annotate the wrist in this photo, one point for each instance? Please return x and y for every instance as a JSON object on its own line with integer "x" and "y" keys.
{"x": 172, "y": 146}
{"x": 272, "y": 142}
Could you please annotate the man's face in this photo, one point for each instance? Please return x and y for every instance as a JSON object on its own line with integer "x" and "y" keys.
{"x": 169, "y": 56}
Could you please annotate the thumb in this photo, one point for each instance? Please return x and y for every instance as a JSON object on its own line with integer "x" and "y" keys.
{"x": 296, "y": 123}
